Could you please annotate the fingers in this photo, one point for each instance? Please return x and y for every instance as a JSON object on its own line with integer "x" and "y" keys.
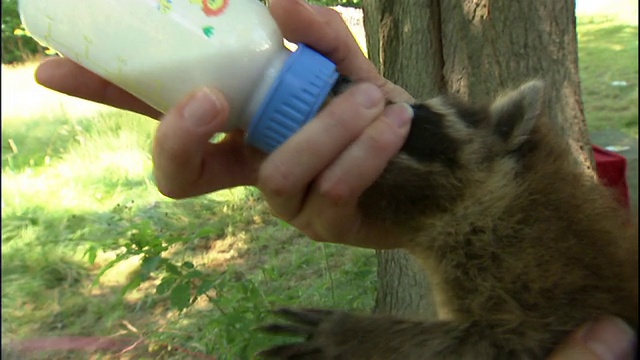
{"x": 330, "y": 212}
{"x": 186, "y": 163}
{"x": 314, "y": 180}
{"x": 607, "y": 339}
{"x": 65, "y": 76}
{"x": 324, "y": 30}
{"x": 314, "y": 26}
{"x": 288, "y": 172}
{"x": 363, "y": 161}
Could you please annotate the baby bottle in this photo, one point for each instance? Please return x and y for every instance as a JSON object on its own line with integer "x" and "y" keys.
{"x": 160, "y": 50}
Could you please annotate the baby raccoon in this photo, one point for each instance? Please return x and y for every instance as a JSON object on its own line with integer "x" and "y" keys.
{"x": 520, "y": 244}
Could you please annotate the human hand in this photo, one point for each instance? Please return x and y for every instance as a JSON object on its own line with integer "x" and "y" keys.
{"x": 312, "y": 181}
{"x": 607, "y": 339}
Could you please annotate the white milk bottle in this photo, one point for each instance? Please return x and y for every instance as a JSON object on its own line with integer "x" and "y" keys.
{"x": 160, "y": 50}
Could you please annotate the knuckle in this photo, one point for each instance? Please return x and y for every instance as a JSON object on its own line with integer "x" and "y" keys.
{"x": 366, "y": 96}
{"x": 347, "y": 115}
{"x": 382, "y": 139}
{"x": 279, "y": 213}
{"x": 275, "y": 183}
{"x": 331, "y": 16}
{"x": 334, "y": 14}
{"x": 307, "y": 226}
{"x": 171, "y": 191}
{"x": 337, "y": 193}
{"x": 164, "y": 186}
{"x": 338, "y": 117}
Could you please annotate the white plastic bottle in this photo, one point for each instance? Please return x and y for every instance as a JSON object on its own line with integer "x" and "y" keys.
{"x": 160, "y": 50}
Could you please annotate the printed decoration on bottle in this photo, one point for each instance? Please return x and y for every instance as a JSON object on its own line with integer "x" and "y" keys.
{"x": 209, "y": 7}
{"x": 164, "y": 5}
{"x": 214, "y": 7}
{"x": 208, "y": 31}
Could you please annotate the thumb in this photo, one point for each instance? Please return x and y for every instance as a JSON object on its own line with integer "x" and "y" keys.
{"x": 182, "y": 141}
{"x": 607, "y": 339}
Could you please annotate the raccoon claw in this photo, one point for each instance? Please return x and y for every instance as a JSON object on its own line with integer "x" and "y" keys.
{"x": 303, "y": 323}
{"x": 310, "y": 317}
{"x": 287, "y": 330}
{"x": 292, "y": 351}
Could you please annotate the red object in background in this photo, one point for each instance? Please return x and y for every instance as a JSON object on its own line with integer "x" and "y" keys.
{"x": 612, "y": 170}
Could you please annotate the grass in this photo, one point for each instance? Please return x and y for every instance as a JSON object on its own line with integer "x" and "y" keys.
{"x": 72, "y": 185}
{"x": 608, "y": 55}
{"x": 79, "y": 187}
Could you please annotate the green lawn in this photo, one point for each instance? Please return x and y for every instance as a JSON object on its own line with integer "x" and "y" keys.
{"x": 78, "y": 184}
{"x": 71, "y": 186}
{"x": 74, "y": 184}
{"x": 608, "y": 54}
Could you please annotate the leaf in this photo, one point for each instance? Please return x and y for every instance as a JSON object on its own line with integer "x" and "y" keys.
{"x": 165, "y": 285}
{"x": 188, "y": 265}
{"x": 205, "y": 286}
{"x": 107, "y": 267}
{"x": 91, "y": 254}
{"x": 150, "y": 264}
{"x": 132, "y": 285}
{"x": 172, "y": 269}
{"x": 193, "y": 274}
{"x": 181, "y": 296}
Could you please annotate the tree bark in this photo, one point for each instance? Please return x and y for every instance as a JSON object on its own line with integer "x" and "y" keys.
{"x": 491, "y": 46}
{"x": 403, "y": 40}
{"x": 475, "y": 49}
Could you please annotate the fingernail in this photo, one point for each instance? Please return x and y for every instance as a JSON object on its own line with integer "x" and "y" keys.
{"x": 610, "y": 338}
{"x": 368, "y": 95}
{"x": 202, "y": 109}
{"x": 399, "y": 114}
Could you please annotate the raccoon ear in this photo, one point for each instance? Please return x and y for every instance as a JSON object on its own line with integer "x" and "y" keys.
{"x": 514, "y": 114}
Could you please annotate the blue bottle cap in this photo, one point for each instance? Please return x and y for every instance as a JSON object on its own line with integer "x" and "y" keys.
{"x": 294, "y": 98}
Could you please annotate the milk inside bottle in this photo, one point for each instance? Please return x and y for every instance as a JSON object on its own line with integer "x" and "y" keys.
{"x": 160, "y": 50}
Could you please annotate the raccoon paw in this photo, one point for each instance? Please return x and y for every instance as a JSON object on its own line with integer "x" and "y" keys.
{"x": 318, "y": 328}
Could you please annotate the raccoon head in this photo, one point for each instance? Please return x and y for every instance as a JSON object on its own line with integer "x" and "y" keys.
{"x": 455, "y": 150}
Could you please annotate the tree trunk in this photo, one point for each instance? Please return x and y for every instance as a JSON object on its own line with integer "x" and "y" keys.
{"x": 398, "y": 34}
{"x": 475, "y": 49}
{"x": 497, "y": 47}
